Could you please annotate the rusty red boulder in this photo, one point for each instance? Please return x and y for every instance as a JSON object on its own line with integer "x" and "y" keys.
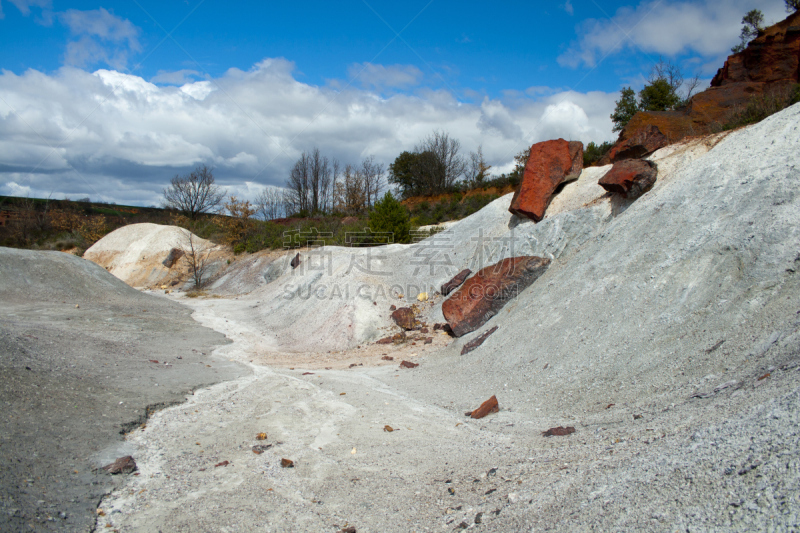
{"x": 549, "y": 163}
{"x": 630, "y": 178}
{"x": 641, "y": 142}
{"x": 485, "y": 293}
{"x": 454, "y": 283}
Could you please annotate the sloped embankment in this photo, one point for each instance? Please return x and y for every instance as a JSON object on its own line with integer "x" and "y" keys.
{"x": 83, "y": 356}
{"x": 665, "y": 331}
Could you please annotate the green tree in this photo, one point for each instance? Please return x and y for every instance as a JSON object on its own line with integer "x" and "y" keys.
{"x": 594, "y": 152}
{"x": 627, "y": 106}
{"x": 752, "y": 24}
{"x": 658, "y": 96}
{"x": 389, "y": 216}
{"x": 792, "y": 5}
{"x": 401, "y": 173}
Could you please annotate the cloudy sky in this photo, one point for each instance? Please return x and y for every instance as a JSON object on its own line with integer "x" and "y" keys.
{"x": 111, "y": 99}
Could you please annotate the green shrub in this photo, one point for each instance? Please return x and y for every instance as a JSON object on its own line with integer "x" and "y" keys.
{"x": 761, "y": 106}
{"x": 389, "y": 216}
{"x": 594, "y": 152}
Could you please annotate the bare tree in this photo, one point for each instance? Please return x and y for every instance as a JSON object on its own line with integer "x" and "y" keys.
{"x": 477, "y": 168}
{"x": 374, "y": 180}
{"x": 194, "y": 193}
{"x": 350, "y": 193}
{"x": 309, "y": 184}
{"x": 196, "y": 253}
{"x": 320, "y": 180}
{"x": 444, "y": 169}
{"x": 269, "y": 203}
{"x": 666, "y": 70}
{"x": 691, "y": 85}
{"x": 298, "y": 186}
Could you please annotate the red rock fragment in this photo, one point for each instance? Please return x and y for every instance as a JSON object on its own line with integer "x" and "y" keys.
{"x": 456, "y": 282}
{"x": 308, "y": 373}
{"x": 123, "y": 465}
{"x": 558, "y": 432}
{"x": 477, "y": 341}
{"x": 408, "y": 364}
{"x": 489, "y": 406}
{"x": 385, "y": 340}
{"x": 549, "y": 163}
{"x": 287, "y": 463}
{"x": 153, "y": 361}
{"x": 428, "y": 340}
{"x": 485, "y": 293}
{"x": 295, "y": 261}
{"x": 387, "y": 358}
{"x": 630, "y": 178}
{"x": 392, "y": 308}
{"x": 404, "y": 317}
{"x": 223, "y": 463}
{"x": 639, "y": 143}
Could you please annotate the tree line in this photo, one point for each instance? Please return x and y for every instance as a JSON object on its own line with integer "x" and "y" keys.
{"x": 319, "y": 185}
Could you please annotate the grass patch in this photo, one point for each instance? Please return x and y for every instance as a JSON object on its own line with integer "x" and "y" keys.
{"x": 761, "y": 106}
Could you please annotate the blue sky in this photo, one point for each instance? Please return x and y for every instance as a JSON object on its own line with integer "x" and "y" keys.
{"x": 111, "y": 99}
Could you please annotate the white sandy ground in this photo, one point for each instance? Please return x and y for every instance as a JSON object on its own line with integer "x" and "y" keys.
{"x": 691, "y": 288}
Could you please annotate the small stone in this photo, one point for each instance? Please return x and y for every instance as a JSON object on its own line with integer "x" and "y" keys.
{"x": 489, "y": 406}
{"x": 287, "y": 463}
{"x": 123, "y": 465}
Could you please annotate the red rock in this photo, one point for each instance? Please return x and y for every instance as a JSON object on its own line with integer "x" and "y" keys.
{"x": 404, "y": 317}
{"x": 477, "y": 341}
{"x": 429, "y": 340}
{"x": 630, "y": 178}
{"x": 773, "y": 56}
{"x": 558, "y": 432}
{"x": 408, "y": 364}
{"x": 223, "y": 463}
{"x": 639, "y": 143}
{"x": 489, "y": 406}
{"x": 770, "y": 64}
{"x": 385, "y": 340}
{"x": 456, "y": 282}
{"x": 549, "y": 163}
{"x": 485, "y": 293}
{"x": 392, "y": 308}
{"x": 123, "y": 465}
{"x": 295, "y": 261}
{"x": 287, "y": 463}
{"x": 387, "y": 358}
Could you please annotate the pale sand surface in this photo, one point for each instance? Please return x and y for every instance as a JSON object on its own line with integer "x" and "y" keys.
{"x": 692, "y": 288}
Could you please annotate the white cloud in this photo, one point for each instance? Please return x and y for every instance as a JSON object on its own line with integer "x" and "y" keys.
{"x": 15, "y": 189}
{"x": 568, "y": 7}
{"x": 118, "y": 137}
{"x": 708, "y": 28}
{"x": 385, "y": 76}
{"x": 102, "y": 37}
{"x": 24, "y": 6}
{"x": 177, "y": 77}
